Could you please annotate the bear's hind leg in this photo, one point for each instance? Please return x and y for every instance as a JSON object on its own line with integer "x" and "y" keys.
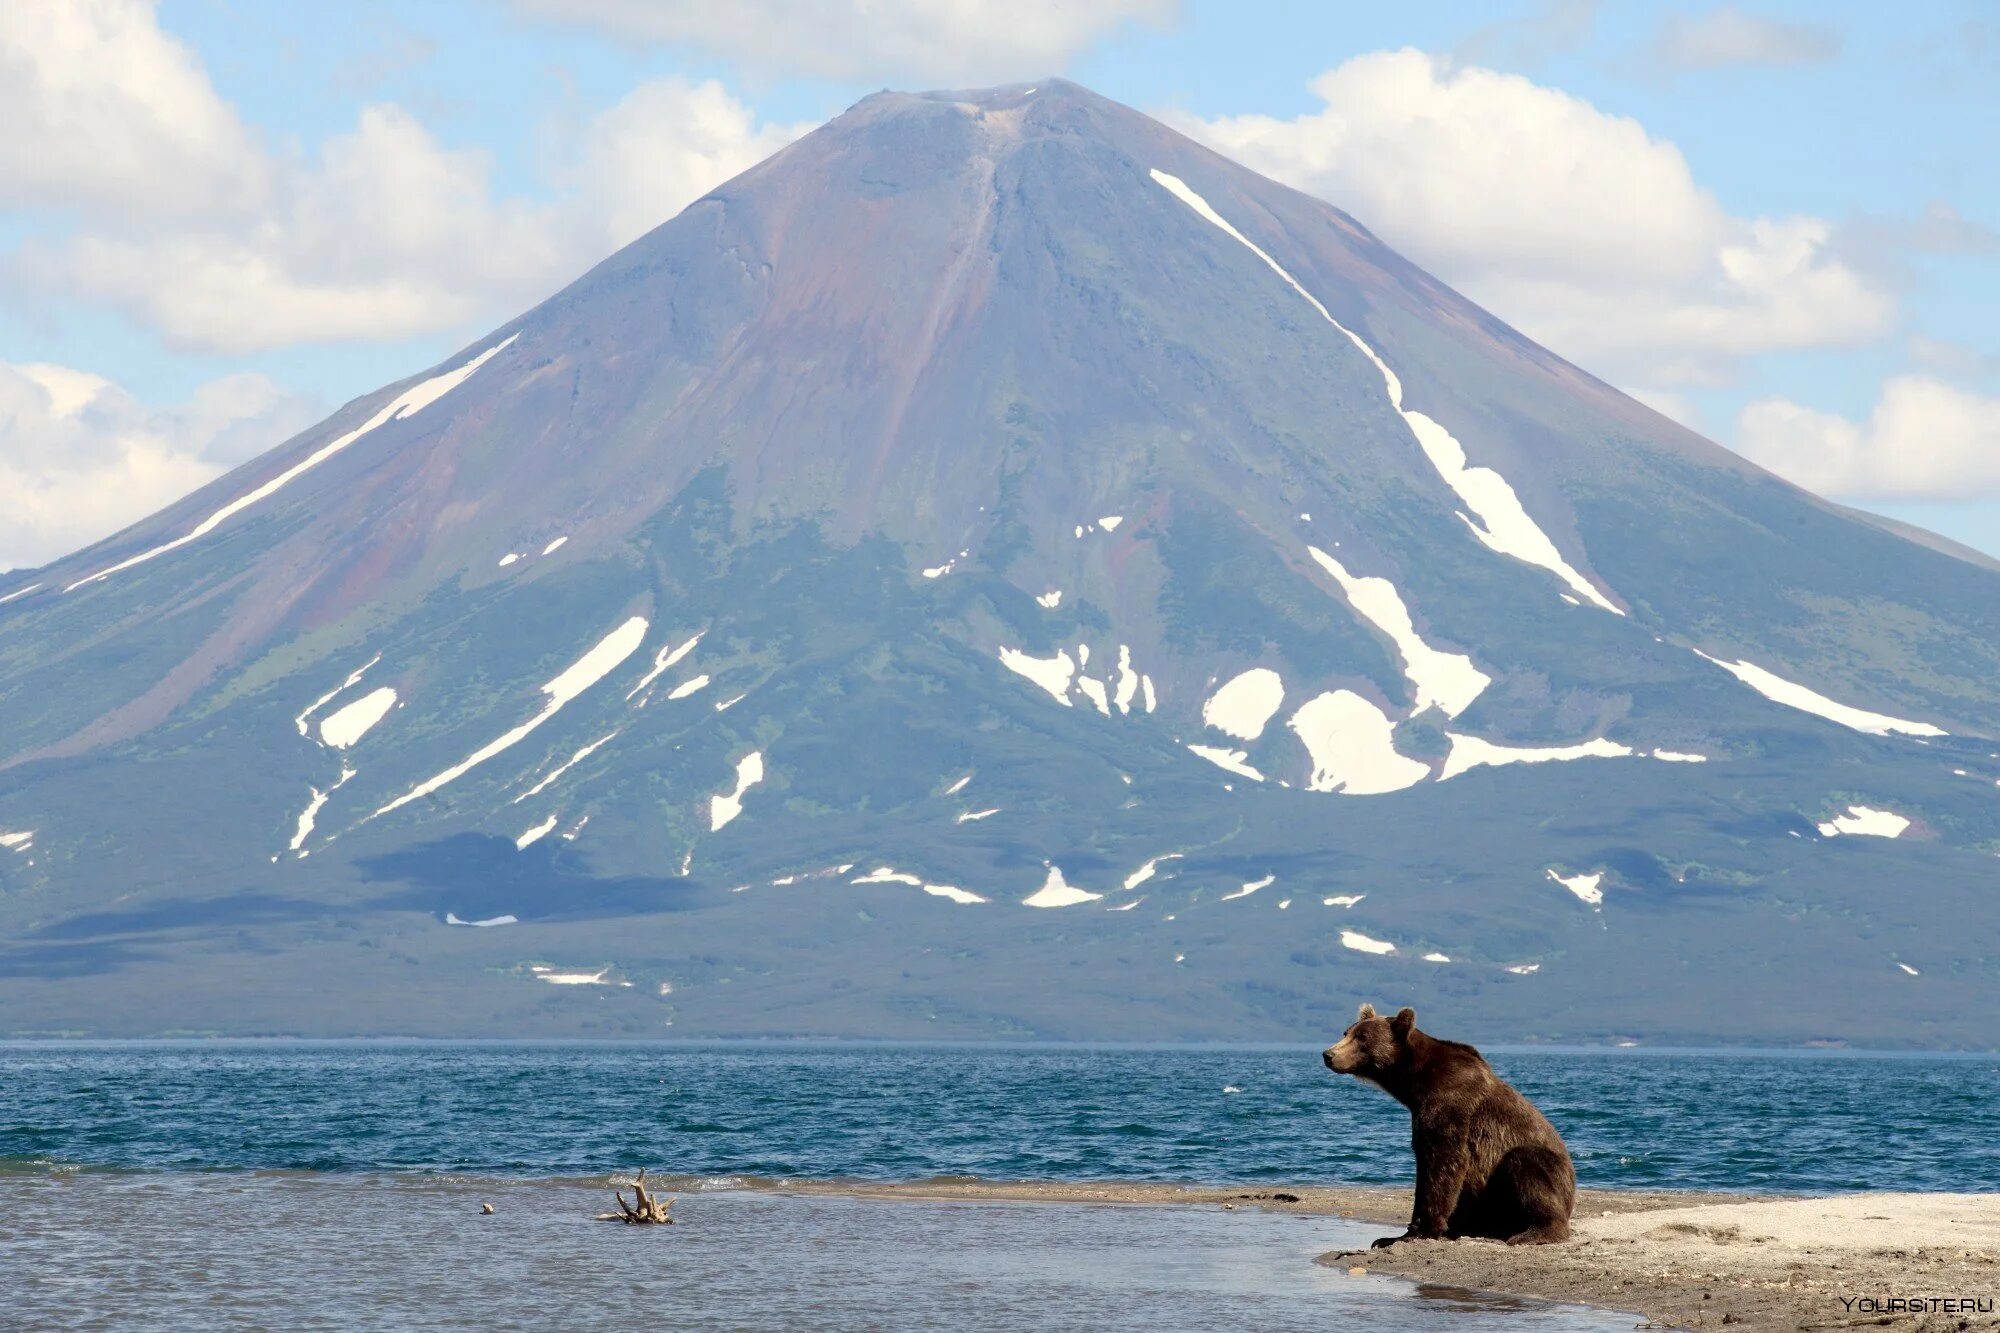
{"x": 1538, "y": 1188}
{"x": 1542, "y": 1235}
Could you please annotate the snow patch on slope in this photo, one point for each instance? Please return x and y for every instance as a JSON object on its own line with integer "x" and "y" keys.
{"x": 1146, "y": 871}
{"x": 563, "y": 768}
{"x": 310, "y": 815}
{"x": 1585, "y": 887}
{"x": 1352, "y": 744}
{"x": 555, "y": 978}
{"x": 953, "y": 892}
{"x": 1128, "y": 679}
{"x": 1245, "y": 704}
{"x": 407, "y": 403}
{"x": 307, "y": 818}
{"x": 585, "y": 672}
{"x": 1449, "y": 680}
{"x": 667, "y": 657}
{"x": 303, "y": 720}
{"x": 1794, "y": 695}
{"x": 1055, "y": 892}
{"x": 1506, "y": 529}
{"x": 1050, "y": 673}
{"x": 1354, "y": 939}
{"x": 749, "y": 772}
{"x": 1470, "y": 752}
{"x": 886, "y": 875}
{"x": 1250, "y": 888}
{"x": 1866, "y": 822}
{"x": 687, "y": 687}
{"x": 1235, "y": 761}
{"x": 349, "y": 724}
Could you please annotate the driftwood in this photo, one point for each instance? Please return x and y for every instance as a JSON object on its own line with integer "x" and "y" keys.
{"x": 645, "y": 1210}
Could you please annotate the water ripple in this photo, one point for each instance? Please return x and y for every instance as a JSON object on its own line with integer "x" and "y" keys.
{"x": 1632, "y": 1119}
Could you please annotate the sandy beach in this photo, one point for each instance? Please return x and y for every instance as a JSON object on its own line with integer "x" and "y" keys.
{"x": 1684, "y": 1260}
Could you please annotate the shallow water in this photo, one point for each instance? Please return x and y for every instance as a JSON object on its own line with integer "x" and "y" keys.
{"x": 306, "y": 1250}
{"x": 1633, "y": 1120}
{"x": 336, "y": 1185}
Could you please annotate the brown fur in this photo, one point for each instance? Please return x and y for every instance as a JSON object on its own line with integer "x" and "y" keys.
{"x": 1488, "y": 1163}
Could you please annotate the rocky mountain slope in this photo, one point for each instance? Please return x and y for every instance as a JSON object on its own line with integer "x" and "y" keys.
{"x": 999, "y": 569}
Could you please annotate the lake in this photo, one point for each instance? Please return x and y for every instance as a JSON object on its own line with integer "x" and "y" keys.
{"x": 338, "y": 1183}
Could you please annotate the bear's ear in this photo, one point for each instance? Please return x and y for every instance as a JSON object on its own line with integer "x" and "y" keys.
{"x": 1404, "y": 1020}
{"x": 1367, "y": 1012}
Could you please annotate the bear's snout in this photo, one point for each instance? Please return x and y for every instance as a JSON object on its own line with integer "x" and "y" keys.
{"x": 1342, "y": 1057}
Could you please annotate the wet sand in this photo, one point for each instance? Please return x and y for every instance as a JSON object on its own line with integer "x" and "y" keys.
{"x": 1684, "y": 1260}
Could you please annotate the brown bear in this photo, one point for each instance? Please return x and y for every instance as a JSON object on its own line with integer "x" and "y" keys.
{"x": 1488, "y": 1163}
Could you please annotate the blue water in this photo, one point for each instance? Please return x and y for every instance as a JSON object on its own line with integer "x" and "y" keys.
{"x": 1717, "y": 1121}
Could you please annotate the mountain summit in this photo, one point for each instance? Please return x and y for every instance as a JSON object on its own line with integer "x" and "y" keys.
{"x": 998, "y": 568}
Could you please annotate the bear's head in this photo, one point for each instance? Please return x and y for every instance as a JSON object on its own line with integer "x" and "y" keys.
{"x": 1373, "y": 1046}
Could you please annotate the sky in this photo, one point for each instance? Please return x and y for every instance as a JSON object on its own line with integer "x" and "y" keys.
{"x": 221, "y": 219}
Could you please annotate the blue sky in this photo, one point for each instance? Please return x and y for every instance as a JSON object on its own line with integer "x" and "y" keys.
{"x": 1778, "y": 222}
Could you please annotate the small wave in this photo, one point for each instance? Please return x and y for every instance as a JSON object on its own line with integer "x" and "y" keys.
{"x": 38, "y": 1164}
{"x": 547, "y": 1117}
{"x": 1133, "y": 1129}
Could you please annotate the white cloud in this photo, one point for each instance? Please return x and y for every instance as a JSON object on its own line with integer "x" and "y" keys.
{"x": 1728, "y": 36}
{"x": 1592, "y": 236}
{"x": 664, "y": 145}
{"x": 385, "y": 234}
{"x": 1673, "y": 406}
{"x": 80, "y": 458}
{"x": 935, "y": 41}
{"x": 1924, "y": 440}
{"x": 104, "y": 111}
{"x": 192, "y": 227}
{"x": 380, "y": 233}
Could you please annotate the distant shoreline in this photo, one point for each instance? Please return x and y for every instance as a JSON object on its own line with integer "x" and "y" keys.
{"x": 1681, "y": 1258}
{"x": 57, "y": 1041}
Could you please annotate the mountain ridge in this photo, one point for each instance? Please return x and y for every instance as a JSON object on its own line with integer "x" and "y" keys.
{"x": 998, "y": 494}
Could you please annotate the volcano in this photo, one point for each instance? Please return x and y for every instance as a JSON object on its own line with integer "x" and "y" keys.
{"x": 999, "y": 569}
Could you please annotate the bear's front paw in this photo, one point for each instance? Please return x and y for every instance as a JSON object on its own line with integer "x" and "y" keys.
{"x": 1387, "y": 1241}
